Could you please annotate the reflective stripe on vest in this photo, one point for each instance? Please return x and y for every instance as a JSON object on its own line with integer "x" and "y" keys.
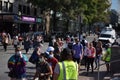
{"x": 68, "y": 70}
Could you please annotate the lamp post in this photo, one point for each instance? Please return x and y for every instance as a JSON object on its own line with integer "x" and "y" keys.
{"x": 19, "y": 14}
{"x": 80, "y": 22}
{"x": 51, "y": 14}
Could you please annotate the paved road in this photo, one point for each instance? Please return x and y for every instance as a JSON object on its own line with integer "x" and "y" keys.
{"x": 4, "y": 56}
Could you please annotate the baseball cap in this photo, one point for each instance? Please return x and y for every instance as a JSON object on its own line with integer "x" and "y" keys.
{"x": 50, "y": 49}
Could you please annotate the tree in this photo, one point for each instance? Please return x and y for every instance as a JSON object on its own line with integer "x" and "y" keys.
{"x": 97, "y": 11}
{"x": 90, "y": 10}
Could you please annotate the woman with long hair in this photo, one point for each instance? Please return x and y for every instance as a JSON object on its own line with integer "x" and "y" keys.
{"x": 98, "y": 53}
{"x": 91, "y": 57}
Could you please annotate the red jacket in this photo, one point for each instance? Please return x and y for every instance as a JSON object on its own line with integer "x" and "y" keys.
{"x": 52, "y": 61}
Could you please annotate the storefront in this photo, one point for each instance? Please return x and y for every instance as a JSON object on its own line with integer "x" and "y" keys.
{"x": 14, "y": 24}
{"x": 6, "y": 23}
{"x": 39, "y": 24}
{"x": 27, "y": 23}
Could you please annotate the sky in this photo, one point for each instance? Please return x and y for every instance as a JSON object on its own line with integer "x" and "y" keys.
{"x": 115, "y": 5}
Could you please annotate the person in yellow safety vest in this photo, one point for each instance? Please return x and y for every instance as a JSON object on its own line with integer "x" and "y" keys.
{"x": 67, "y": 69}
{"x": 108, "y": 57}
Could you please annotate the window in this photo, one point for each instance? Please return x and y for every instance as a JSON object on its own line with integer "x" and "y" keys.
{"x": 10, "y": 7}
{"x": 6, "y": 6}
{"x": 19, "y": 8}
{"x": 35, "y": 11}
{"x": 105, "y": 35}
{"x": 28, "y": 10}
{"x": 0, "y": 5}
{"x": 24, "y": 9}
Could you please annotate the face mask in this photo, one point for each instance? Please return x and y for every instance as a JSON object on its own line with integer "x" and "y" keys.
{"x": 18, "y": 53}
{"x": 51, "y": 56}
{"x": 41, "y": 60}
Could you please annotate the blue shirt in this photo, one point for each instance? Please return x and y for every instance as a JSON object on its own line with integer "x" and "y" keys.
{"x": 77, "y": 48}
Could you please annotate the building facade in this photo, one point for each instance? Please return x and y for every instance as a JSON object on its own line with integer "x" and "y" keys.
{"x": 18, "y": 16}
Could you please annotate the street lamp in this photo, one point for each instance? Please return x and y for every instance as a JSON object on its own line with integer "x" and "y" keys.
{"x": 19, "y": 14}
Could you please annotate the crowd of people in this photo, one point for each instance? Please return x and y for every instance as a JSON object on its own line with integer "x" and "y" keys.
{"x": 61, "y": 60}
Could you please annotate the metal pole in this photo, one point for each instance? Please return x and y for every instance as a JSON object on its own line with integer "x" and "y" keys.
{"x": 79, "y": 31}
{"x": 80, "y": 21}
{"x": 104, "y": 64}
{"x": 78, "y": 27}
{"x": 98, "y": 71}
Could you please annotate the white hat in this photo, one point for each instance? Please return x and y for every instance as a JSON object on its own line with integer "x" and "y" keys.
{"x": 50, "y": 49}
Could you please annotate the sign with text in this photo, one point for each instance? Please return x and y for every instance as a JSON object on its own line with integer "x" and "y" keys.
{"x": 29, "y": 19}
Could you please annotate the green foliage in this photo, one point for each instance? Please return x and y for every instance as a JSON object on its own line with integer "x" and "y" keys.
{"x": 91, "y": 10}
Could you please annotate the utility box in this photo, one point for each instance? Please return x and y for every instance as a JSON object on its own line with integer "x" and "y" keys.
{"x": 115, "y": 59}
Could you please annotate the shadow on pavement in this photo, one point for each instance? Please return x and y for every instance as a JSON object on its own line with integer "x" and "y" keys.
{"x": 94, "y": 75}
{"x": 30, "y": 75}
{"x": 30, "y": 67}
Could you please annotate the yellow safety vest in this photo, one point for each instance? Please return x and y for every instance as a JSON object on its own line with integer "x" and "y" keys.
{"x": 108, "y": 51}
{"x": 68, "y": 70}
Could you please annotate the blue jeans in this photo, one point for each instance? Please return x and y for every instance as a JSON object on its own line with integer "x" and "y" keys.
{"x": 97, "y": 60}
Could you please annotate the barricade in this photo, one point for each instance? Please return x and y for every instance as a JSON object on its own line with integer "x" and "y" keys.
{"x": 114, "y": 63}
{"x": 115, "y": 55}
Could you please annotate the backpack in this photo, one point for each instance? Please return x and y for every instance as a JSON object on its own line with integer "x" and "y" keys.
{"x": 33, "y": 58}
{"x": 83, "y": 42}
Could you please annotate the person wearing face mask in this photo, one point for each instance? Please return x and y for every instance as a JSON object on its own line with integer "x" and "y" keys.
{"x": 50, "y": 58}
{"x": 77, "y": 50}
{"x": 16, "y": 65}
{"x": 43, "y": 69}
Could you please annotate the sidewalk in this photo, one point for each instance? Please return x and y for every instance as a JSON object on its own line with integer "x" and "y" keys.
{"x": 94, "y": 75}
{"x": 102, "y": 75}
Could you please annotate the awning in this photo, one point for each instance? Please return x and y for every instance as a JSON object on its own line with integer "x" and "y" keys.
{"x": 23, "y": 22}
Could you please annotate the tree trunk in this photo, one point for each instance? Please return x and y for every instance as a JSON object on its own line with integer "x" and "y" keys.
{"x": 67, "y": 25}
{"x": 89, "y": 29}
